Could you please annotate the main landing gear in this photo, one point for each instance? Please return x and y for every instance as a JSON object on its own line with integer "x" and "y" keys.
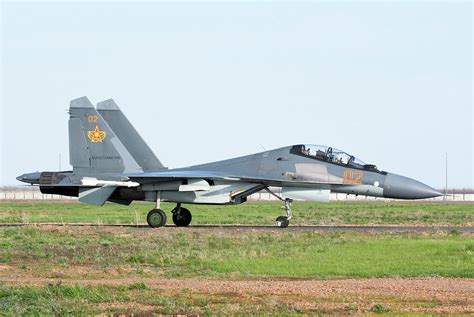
{"x": 157, "y": 217}
{"x": 283, "y": 221}
{"x": 181, "y": 216}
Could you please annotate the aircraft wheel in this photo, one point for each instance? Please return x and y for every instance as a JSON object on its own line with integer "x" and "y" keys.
{"x": 156, "y": 218}
{"x": 282, "y": 222}
{"x": 182, "y": 217}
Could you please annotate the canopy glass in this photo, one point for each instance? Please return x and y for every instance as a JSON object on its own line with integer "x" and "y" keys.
{"x": 330, "y": 154}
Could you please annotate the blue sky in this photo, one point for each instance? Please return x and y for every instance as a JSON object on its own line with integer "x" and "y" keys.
{"x": 390, "y": 83}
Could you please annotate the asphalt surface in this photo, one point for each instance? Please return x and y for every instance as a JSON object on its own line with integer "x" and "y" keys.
{"x": 263, "y": 227}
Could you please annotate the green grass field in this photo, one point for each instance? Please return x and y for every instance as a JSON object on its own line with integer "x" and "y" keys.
{"x": 77, "y": 300}
{"x": 89, "y": 254}
{"x": 175, "y": 252}
{"x": 336, "y": 213}
{"x": 139, "y": 255}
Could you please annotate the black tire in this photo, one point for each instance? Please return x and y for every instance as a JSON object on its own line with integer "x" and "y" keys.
{"x": 182, "y": 218}
{"x": 282, "y": 222}
{"x": 156, "y": 218}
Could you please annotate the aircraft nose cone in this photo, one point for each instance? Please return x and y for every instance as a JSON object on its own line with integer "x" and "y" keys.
{"x": 401, "y": 187}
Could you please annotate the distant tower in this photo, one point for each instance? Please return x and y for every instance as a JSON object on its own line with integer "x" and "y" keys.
{"x": 446, "y": 184}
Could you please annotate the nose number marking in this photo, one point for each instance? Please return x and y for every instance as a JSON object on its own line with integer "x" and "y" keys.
{"x": 352, "y": 177}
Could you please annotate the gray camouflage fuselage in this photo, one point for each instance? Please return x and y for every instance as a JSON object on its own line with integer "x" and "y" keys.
{"x": 111, "y": 162}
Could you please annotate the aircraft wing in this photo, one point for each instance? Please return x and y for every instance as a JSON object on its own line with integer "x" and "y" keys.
{"x": 168, "y": 175}
{"x": 192, "y": 174}
{"x": 243, "y": 185}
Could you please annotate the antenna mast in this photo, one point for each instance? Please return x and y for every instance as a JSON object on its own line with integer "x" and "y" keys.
{"x": 446, "y": 184}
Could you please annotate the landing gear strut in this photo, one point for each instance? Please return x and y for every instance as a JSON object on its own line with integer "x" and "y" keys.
{"x": 283, "y": 221}
{"x": 181, "y": 216}
{"x": 156, "y": 217}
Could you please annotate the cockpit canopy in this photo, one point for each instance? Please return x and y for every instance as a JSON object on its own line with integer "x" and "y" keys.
{"x": 332, "y": 155}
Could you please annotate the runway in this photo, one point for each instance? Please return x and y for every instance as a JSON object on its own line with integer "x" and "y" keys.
{"x": 262, "y": 227}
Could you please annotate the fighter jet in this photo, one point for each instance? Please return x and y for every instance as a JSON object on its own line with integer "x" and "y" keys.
{"x": 111, "y": 162}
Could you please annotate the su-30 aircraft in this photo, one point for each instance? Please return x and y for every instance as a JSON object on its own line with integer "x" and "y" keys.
{"x": 111, "y": 162}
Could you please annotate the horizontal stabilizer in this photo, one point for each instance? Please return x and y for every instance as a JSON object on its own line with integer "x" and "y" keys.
{"x": 96, "y": 196}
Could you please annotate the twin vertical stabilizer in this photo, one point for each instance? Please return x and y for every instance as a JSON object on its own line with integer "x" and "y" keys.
{"x": 129, "y": 136}
{"x": 104, "y": 141}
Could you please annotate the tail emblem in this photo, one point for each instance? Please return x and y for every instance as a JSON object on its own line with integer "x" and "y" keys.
{"x": 96, "y": 135}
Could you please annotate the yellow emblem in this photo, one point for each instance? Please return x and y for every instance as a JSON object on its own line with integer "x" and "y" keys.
{"x": 96, "y": 135}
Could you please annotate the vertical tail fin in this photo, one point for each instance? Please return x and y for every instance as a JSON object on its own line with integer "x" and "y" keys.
{"x": 94, "y": 148}
{"x": 129, "y": 136}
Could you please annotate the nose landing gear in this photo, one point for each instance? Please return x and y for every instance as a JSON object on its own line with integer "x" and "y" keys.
{"x": 283, "y": 221}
